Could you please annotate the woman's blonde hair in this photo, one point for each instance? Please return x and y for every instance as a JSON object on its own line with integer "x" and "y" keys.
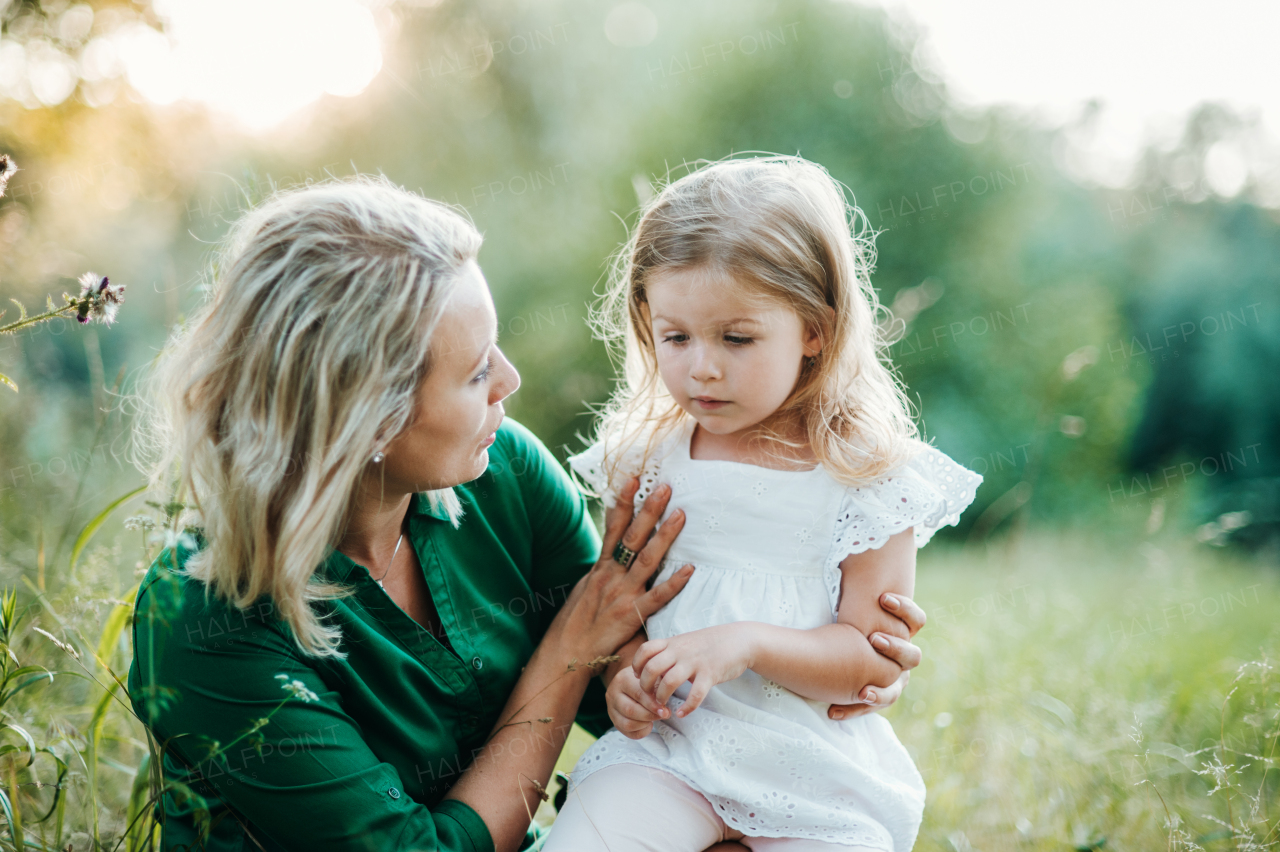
{"x": 782, "y": 227}
{"x": 305, "y": 361}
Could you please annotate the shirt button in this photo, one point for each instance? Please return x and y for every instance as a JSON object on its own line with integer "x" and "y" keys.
{"x": 393, "y": 793}
{"x": 477, "y": 663}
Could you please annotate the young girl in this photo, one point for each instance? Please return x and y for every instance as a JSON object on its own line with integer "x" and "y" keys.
{"x": 754, "y": 388}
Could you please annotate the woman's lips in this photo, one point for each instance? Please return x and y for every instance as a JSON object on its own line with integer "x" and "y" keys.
{"x": 487, "y": 442}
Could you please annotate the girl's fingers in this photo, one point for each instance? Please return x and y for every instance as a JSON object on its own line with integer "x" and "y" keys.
{"x": 653, "y": 671}
{"x": 631, "y": 689}
{"x": 633, "y": 710}
{"x": 902, "y": 652}
{"x": 638, "y": 732}
{"x": 646, "y": 652}
{"x": 698, "y": 691}
{"x": 904, "y": 608}
{"x": 671, "y": 681}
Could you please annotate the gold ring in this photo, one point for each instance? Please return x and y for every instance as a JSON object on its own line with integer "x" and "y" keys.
{"x": 623, "y": 555}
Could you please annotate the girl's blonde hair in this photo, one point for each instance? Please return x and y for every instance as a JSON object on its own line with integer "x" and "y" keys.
{"x": 780, "y": 226}
{"x": 305, "y": 361}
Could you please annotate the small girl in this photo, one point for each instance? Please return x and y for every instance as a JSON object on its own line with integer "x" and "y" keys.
{"x": 755, "y": 389}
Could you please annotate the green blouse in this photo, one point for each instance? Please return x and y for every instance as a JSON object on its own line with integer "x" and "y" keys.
{"x": 365, "y": 765}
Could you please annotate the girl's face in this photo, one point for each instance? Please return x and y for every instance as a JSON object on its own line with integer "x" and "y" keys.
{"x": 729, "y": 357}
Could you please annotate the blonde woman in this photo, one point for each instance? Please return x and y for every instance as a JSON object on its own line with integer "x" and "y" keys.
{"x": 392, "y": 604}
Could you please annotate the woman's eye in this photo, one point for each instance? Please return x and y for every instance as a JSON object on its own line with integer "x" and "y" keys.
{"x": 484, "y": 374}
{"x": 737, "y": 339}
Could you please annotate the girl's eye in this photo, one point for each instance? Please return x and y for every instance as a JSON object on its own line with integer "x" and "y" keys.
{"x": 483, "y": 374}
{"x": 737, "y": 339}
{"x": 675, "y": 338}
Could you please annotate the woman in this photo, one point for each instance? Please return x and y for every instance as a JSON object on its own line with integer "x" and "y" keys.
{"x": 394, "y": 604}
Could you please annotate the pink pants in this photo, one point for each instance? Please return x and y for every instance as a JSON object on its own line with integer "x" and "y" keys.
{"x": 631, "y": 808}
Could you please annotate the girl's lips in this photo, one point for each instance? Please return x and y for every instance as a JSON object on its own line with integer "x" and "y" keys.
{"x": 709, "y": 404}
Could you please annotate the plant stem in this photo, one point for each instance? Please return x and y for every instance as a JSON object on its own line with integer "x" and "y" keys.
{"x": 47, "y": 315}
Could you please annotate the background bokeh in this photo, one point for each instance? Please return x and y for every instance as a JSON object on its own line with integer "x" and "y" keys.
{"x": 1106, "y": 356}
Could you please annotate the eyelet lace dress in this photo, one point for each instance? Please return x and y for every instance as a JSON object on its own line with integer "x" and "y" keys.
{"x": 767, "y": 545}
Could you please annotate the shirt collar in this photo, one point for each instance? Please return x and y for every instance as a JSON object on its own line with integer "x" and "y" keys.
{"x": 339, "y": 566}
{"x": 421, "y": 505}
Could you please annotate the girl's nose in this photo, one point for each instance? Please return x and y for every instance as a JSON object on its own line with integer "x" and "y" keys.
{"x": 705, "y": 367}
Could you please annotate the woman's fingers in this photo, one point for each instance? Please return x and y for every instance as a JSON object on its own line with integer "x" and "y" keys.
{"x": 618, "y": 518}
{"x": 900, "y": 651}
{"x": 873, "y": 699}
{"x": 904, "y": 608}
{"x": 637, "y": 534}
{"x": 650, "y": 556}
{"x": 661, "y": 594}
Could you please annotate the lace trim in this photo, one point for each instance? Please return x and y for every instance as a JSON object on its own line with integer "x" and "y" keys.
{"x": 928, "y": 493}
{"x": 589, "y": 465}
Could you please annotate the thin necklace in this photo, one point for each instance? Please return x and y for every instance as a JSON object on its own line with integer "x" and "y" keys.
{"x": 392, "y": 562}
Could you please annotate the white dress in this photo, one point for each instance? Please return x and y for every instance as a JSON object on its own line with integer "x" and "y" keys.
{"x": 767, "y": 546}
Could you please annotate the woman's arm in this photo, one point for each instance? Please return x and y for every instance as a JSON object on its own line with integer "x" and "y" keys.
{"x": 604, "y": 609}
{"x": 837, "y": 663}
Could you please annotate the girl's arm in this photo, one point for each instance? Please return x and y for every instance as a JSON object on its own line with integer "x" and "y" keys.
{"x": 835, "y": 663}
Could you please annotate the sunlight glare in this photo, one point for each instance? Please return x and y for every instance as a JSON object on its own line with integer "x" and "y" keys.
{"x": 260, "y": 60}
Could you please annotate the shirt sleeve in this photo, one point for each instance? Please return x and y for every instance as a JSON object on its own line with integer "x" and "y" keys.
{"x": 306, "y": 778}
{"x": 927, "y": 493}
{"x": 565, "y": 546}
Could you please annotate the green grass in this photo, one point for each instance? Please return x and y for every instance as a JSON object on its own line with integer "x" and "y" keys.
{"x": 1075, "y": 694}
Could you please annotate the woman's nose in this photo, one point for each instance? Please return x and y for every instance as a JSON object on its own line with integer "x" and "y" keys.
{"x": 506, "y": 379}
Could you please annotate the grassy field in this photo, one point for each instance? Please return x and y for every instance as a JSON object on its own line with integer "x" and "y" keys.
{"x": 1075, "y": 694}
{"x": 1078, "y": 694}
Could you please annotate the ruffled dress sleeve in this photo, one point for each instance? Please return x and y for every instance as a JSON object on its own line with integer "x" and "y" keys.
{"x": 593, "y": 473}
{"x": 927, "y": 493}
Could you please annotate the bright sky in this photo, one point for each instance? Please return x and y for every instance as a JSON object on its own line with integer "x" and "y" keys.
{"x": 258, "y": 60}
{"x": 1149, "y": 61}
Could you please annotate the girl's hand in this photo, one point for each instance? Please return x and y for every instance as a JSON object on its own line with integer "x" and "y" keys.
{"x": 631, "y": 709}
{"x": 610, "y": 603}
{"x": 895, "y": 648}
{"x": 706, "y": 657}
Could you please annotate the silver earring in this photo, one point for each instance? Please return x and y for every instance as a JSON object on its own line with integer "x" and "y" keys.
{"x": 378, "y": 457}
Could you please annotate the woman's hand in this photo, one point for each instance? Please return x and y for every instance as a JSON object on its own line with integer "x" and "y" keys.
{"x": 899, "y": 650}
{"x": 610, "y": 603}
{"x": 706, "y": 657}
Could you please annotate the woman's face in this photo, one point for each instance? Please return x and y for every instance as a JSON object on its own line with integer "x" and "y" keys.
{"x": 460, "y": 403}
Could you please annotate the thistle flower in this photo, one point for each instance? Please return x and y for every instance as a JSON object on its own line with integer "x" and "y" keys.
{"x": 8, "y": 168}
{"x": 99, "y": 299}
